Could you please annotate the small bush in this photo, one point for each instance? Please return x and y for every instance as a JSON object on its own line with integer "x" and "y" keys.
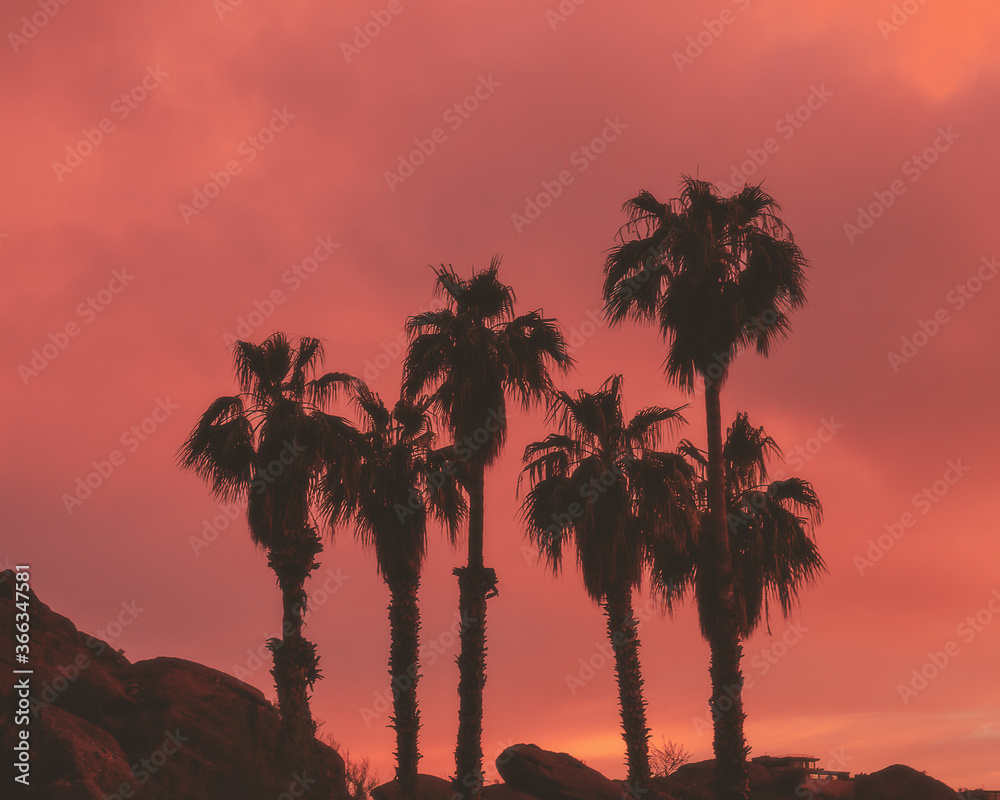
{"x": 667, "y": 757}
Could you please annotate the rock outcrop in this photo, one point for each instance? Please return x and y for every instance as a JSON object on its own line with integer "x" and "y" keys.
{"x": 899, "y": 782}
{"x": 556, "y": 776}
{"x": 102, "y": 727}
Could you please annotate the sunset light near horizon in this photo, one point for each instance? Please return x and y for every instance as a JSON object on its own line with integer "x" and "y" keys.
{"x": 182, "y": 175}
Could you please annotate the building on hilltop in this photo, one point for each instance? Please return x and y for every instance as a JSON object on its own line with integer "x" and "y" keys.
{"x": 807, "y": 763}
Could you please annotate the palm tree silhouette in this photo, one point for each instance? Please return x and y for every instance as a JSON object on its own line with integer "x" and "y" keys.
{"x": 267, "y": 445}
{"x": 472, "y": 355}
{"x": 718, "y": 274}
{"x": 770, "y": 528}
{"x": 600, "y": 482}
{"x": 399, "y": 480}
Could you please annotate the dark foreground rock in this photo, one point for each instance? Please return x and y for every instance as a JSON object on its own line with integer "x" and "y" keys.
{"x": 103, "y": 728}
{"x": 899, "y": 782}
{"x": 555, "y": 776}
{"x": 429, "y": 787}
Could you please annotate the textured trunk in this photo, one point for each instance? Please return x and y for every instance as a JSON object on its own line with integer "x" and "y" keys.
{"x": 404, "y": 628}
{"x": 474, "y": 583}
{"x": 625, "y": 642}
{"x": 295, "y": 662}
{"x": 727, "y": 680}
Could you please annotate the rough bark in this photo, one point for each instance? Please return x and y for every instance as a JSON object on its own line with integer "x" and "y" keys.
{"x": 404, "y": 628}
{"x": 731, "y": 778}
{"x": 475, "y": 582}
{"x": 625, "y": 641}
{"x": 295, "y": 662}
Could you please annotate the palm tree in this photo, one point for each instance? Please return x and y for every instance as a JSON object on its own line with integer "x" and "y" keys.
{"x": 718, "y": 274}
{"x": 770, "y": 528}
{"x": 267, "y": 445}
{"x": 472, "y": 355}
{"x": 600, "y": 482}
{"x": 399, "y": 480}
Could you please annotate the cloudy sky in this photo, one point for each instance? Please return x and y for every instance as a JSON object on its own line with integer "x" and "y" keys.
{"x": 179, "y": 174}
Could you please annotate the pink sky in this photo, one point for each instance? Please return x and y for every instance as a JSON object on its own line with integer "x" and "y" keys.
{"x": 108, "y": 222}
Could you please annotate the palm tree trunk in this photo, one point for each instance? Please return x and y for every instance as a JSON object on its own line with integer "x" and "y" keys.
{"x": 731, "y": 779}
{"x": 625, "y": 642}
{"x": 474, "y": 583}
{"x": 404, "y": 627}
{"x": 295, "y": 662}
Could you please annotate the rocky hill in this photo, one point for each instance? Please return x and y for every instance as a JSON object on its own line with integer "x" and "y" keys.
{"x": 103, "y": 728}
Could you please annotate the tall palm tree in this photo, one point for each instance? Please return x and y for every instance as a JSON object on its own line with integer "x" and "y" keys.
{"x": 718, "y": 274}
{"x": 600, "y": 482}
{"x": 770, "y": 526}
{"x": 266, "y": 445}
{"x": 400, "y": 479}
{"x": 472, "y": 355}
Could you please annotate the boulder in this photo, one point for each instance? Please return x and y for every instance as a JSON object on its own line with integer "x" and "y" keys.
{"x": 501, "y": 791}
{"x": 553, "y": 776}
{"x": 899, "y": 782}
{"x": 74, "y": 760}
{"x": 429, "y": 787}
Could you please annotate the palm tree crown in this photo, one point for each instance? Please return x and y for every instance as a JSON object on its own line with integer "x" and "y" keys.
{"x": 770, "y": 527}
{"x": 601, "y": 481}
{"x": 400, "y": 479}
{"x": 717, "y": 273}
{"x": 475, "y": 352}
{"x": 269, "y": 442}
